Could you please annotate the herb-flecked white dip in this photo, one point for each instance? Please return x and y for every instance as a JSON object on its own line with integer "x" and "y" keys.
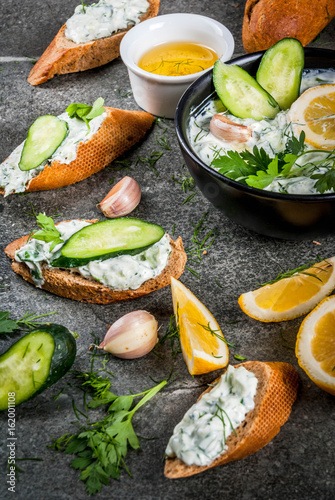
{"x": 124, "y": 272}
{"x": 13, "y": 179}
{"x": 102, "y": 19}
{"x": 201, "y": 436}
{"x": 270, "y": 134}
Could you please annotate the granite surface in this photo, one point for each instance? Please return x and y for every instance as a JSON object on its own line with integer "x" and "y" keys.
{"x": 299, "y": 462}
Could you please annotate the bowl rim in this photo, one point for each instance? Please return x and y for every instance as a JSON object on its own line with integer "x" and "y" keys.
{"x": 184, "y": 144}
{"x": 130, "y": 38}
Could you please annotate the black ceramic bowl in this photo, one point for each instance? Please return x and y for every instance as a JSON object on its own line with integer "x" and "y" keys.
{"x": 278, "y": 215}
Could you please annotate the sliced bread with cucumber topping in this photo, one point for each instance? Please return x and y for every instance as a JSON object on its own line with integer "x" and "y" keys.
{"x": 97, "y": 239}
{"x": 39, "y": 166}
{"x": 65, "y": 56}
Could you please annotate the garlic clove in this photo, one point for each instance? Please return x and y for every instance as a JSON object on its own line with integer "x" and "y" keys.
{"x": 131, "y": 336}
{"x": 122, "y": 199}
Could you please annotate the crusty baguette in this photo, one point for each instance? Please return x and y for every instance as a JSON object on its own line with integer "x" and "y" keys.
{"x": 276, "y": 392}
{"x": 74, "y": 286}
{"x": 64, "y": 56}
{"x": 119, "y": 131}
{"x": 266, "y": 22}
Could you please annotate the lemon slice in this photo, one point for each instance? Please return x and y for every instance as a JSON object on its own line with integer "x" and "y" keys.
{"x": 291, "y": 297}
{"x": 201, "y": 339}
{"x": 314, "y": 113}
{"x": 315, "y": 348}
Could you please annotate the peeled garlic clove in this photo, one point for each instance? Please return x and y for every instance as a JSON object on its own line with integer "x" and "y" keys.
{"x": 122, "y": 199}
{"x": 132, "y": 336}
{"x": 228, "y": 131}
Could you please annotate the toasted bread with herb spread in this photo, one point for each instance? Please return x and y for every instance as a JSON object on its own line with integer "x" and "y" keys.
{"x": 119, "y": 131}
{"x": 276, "y": 392}
{"x": 65, "y": 56}
{"x": 266, "y": 22}
{"x": 71, "y": 285}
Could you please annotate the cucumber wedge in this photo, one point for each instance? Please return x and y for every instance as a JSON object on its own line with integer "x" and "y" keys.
{"x": 45, "y": 135}
{"x": 241, "y": 94}
{"x": 107, "y": 239}
{"x": 36, "y": 361}
{"x": 280, "y": 71}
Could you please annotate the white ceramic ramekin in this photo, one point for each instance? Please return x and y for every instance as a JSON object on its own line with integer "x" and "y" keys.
{"x": 160, "y": 94}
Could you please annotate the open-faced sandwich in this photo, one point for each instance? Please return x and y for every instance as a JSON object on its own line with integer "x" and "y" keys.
{"x": 61, "y": 150}
{"x": 91, "y": 37}
{"x": 239, "y": 414}
{"x": 98, "y": 262}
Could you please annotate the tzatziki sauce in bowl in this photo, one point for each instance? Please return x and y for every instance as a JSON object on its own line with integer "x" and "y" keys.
{"x": 299, "y": 206}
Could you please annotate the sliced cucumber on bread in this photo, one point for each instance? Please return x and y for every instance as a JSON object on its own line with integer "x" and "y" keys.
{"x": 45, "y": 135}
{"x": 35, "y": 362}
{"x": 281, "y": 69}
{"x": 108, "y": 239}
{"x": 241, "y": 94}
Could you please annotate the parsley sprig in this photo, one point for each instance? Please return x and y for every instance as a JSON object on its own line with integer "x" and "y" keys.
{"x": 101, "y": 447}
{"x": 85, "y": 112}
{"x": 27, "y": 322}
{"x": 48, "y": 232}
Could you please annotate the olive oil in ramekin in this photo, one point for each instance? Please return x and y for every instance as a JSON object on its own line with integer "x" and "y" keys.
{"x": 178, "y": 59}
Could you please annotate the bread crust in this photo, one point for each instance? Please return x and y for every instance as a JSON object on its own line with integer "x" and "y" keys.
{"x": 266, "y": 22}
{"x": 64, "y": 56}
{"x": 276, "y": 392}
{"x": 118, "y": 132}
{"x": 73, "y": 286}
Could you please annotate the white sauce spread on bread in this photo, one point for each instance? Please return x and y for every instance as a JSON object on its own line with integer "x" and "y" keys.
{"x": 269, "y": 134}
{"x": 13, "y": 179}
{"x": 201, "y": 436}
{"x": 102, "y": 19}
{"x": 125, "y": 272}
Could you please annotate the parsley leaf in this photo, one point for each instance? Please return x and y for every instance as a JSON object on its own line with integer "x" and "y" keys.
{"x": 48, "y": 231}
{"x": 325, "y": 182}
{"x": 263, "y": 179}
{"x": 85, "y": 112}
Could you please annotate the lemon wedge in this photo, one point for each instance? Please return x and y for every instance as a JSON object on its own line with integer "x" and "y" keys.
{"x": 202, "y": 343}
{"x": 314, "y": 113}
{"x": 291, "y": 297}
{"x": 315, "y": 348}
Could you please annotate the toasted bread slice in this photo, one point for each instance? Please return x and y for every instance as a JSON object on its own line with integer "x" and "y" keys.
{"x": 74, "y": 286}
{"x": 276, "y": 392}
{"x": 64, "y": 56}
{"x": 120, "y": 130}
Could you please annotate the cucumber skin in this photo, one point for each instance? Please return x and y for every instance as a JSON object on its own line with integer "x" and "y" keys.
{"x": 217, "y": 80}
{"x": 24, "y": 146}
{"x": 70, "y": 262}
{"x": 62, "y": 357}
{"x": 262, "y": 72}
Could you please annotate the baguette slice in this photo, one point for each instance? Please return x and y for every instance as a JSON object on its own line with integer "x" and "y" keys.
{"x": 276, "y": 391}
{"x": 119, "y": 132}
{"x": 64, "y": 56}
{"x": 266, "y": 22}
{"x": 72, "y": 285}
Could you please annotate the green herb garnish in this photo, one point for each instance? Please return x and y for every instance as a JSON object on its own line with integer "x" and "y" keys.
{"x": 85, "y": 112}
{"x": 48, "y": 232}
{"x": 216, "y": 333}
{"x": 298, "y": 270}
{"x": 239, "y": 357}
{"x": 173, "y": 335}
{"x": 28, "y": 321}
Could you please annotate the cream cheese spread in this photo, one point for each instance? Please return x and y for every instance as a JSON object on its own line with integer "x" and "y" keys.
{"x": 124, "y": 272}
{"x": 201, "y": 436}
{"x": 271, "y": 135}
{"x": 102, "y": 19}
{"x": 13, "y": 179}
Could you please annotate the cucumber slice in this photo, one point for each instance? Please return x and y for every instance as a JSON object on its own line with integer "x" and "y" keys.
{"x": 44, "y": 136}
{"x": 107, "y": 239}
{"x": 241, "y": 94}
{"x": 35, "y": 362}
{"x": 281, "y": 69}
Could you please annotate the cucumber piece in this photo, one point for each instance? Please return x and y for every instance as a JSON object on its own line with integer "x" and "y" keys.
{"x": 36, "y": 361}
{"x": 241, "y": 94}
{"x": 107, "y": 239}
{"x": 44, "y": 136}
{"x": 281, "y": 69}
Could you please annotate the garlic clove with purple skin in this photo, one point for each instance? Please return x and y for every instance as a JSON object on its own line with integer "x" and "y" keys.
{"x": 131, "y": 336}
{"x": 122, "y": 199}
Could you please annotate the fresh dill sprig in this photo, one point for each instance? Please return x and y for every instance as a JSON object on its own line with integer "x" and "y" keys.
{"x": 186, "y": 182}
{"x": 173, "y": 335}
{"x": 200, "y": 244}
{"x": 163, "y": 143}
{"x": 150, "y": 160}
{"x": 216, "y": 333}
{"x": 121, "y": 164}
{"x": 299, "y": 270}
{"x": 27, "y": 322}
{"x": 124, "y": 94}
{"x": 239, "y": 357}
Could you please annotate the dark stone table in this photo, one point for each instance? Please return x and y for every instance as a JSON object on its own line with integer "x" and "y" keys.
{"x": 299, "y": 462}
